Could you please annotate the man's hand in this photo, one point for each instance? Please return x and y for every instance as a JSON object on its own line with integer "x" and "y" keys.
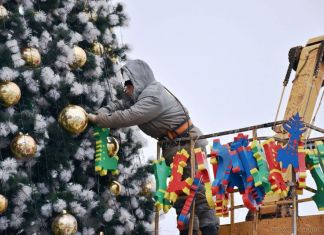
{"x": 92, "y": 117}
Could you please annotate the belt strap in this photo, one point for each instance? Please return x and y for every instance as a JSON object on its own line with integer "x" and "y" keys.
{"x": 179, "y": 130}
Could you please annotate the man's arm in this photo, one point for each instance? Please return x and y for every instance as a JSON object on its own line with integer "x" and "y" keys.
{"x": 141, "y": 112}
{"x": 113, "y": 106}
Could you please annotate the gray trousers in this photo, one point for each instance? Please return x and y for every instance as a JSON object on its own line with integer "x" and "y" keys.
{"x": 204, "y": 215}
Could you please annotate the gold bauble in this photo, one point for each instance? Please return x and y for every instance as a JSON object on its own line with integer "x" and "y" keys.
{"x": 115, "y": 188}
{"x": 3, "y": 204}
{"x": 64, "y": 224}
{"x": 97, "y": 48}
{"x": 23, "y": 146}
{"x": 3, "y": 12}
{"x": 147, "y": 188}
{"x": 93, "y": 16}
{"x": 31, "y": 56}
{"x": 112, "y": 56}
{"x": 80, "y": 57}
{"x": 9, "y": 93}
{"x": 114, "y": 59}
{"x": 74, "y": 119}
{"x": 112, "y": 146}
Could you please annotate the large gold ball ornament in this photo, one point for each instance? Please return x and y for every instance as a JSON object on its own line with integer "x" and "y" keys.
{"x": 23, "y": 146}
{"x": 9, "y": 93}
{"x": 3, "y": 204}
{"x": 80, "y": 57}
{"x": 64, "y": 224}
{"x": 3, "y": 12}
{"x": 97, "y": 48}
{"x": 112, "y": 146}
{"x": 74, "y": 119}
{"x": 115, "y": 188}
{"x": 31, "y": 56}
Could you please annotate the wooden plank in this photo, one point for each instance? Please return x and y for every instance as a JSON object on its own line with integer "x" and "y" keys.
{"x": 306, "y": 225}
{"x": 269, "y": 209}
{"x": 282, "y": 202}
{"x": 255, "y": 223}
{"x": 311, "y": 225}
{"x": 225, "y": 229}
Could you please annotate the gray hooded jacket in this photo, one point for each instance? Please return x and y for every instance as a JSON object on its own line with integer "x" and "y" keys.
{"x": 154, "y": 109}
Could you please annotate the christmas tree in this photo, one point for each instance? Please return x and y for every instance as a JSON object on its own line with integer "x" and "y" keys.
{"x": 56, "y": 53}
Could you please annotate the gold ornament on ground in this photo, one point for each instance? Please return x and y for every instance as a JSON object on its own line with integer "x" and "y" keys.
{"x": 31, "y": 56}
{"x": 23, "y": 146}
{"x": 64, "y": 224}
{"x": 3, "y": 12}
{"x": 112, "y": 146}
{"x": 80, "y": 57}
{"x": 97, "y": 48}
{"x": 3, "y": 204}
{"x": 115, "y": 188}
{"x": 9, "y": 93}
{"x": 74, "y": 119}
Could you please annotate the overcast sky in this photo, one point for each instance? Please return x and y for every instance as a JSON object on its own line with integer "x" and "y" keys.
{"x": 225, "y": 60}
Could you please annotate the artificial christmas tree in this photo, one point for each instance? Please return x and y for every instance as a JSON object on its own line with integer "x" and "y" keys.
{"x": 38, "y": 41}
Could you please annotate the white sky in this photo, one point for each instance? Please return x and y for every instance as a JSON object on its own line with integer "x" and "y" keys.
{"x": 225, "y": 60}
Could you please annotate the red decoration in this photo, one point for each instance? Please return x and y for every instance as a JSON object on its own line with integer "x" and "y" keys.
{"x": 177, "y": 185}
{"x": 275, "y": 177}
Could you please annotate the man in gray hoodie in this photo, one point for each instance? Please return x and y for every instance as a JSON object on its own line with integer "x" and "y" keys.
{"x": 159, "y": 114}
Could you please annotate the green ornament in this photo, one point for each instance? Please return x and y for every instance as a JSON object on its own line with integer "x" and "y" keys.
{"x": 161, "y": 172}
{"x": 313, "y": 159}
{"x": 104, "y": 162}
{"x": 260, "y": 175}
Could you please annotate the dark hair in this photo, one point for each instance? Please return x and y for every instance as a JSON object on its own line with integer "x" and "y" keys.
{"x": 128, "y": 82}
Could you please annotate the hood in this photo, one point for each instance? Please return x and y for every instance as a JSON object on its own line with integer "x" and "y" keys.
{"x": 140, "y": 74}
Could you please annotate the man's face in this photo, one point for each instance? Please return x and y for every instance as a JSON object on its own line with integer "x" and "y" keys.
{"x": 129, "y": 90}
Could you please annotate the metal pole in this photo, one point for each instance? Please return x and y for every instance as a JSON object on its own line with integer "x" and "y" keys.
{"x": 254, "y": 134}
{"x": 295, "y": 205}
{"x": 192, "y": 162}
{"x": 157, "y": 212}
{"x": 256, "y": 213}
{"x": 232, "y": 212}
{"x": 270, "y": 124}
{"x": 234, "y": 131}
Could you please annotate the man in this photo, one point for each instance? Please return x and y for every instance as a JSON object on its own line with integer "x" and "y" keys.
{"x": 160, "y": 115}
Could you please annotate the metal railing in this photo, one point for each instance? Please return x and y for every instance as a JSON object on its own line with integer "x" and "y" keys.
{"x": 309, "y": 143}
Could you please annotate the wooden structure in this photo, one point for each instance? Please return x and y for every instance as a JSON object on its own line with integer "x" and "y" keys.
{"x": 295, "y": 224}
{"x": 313, "y": 224}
